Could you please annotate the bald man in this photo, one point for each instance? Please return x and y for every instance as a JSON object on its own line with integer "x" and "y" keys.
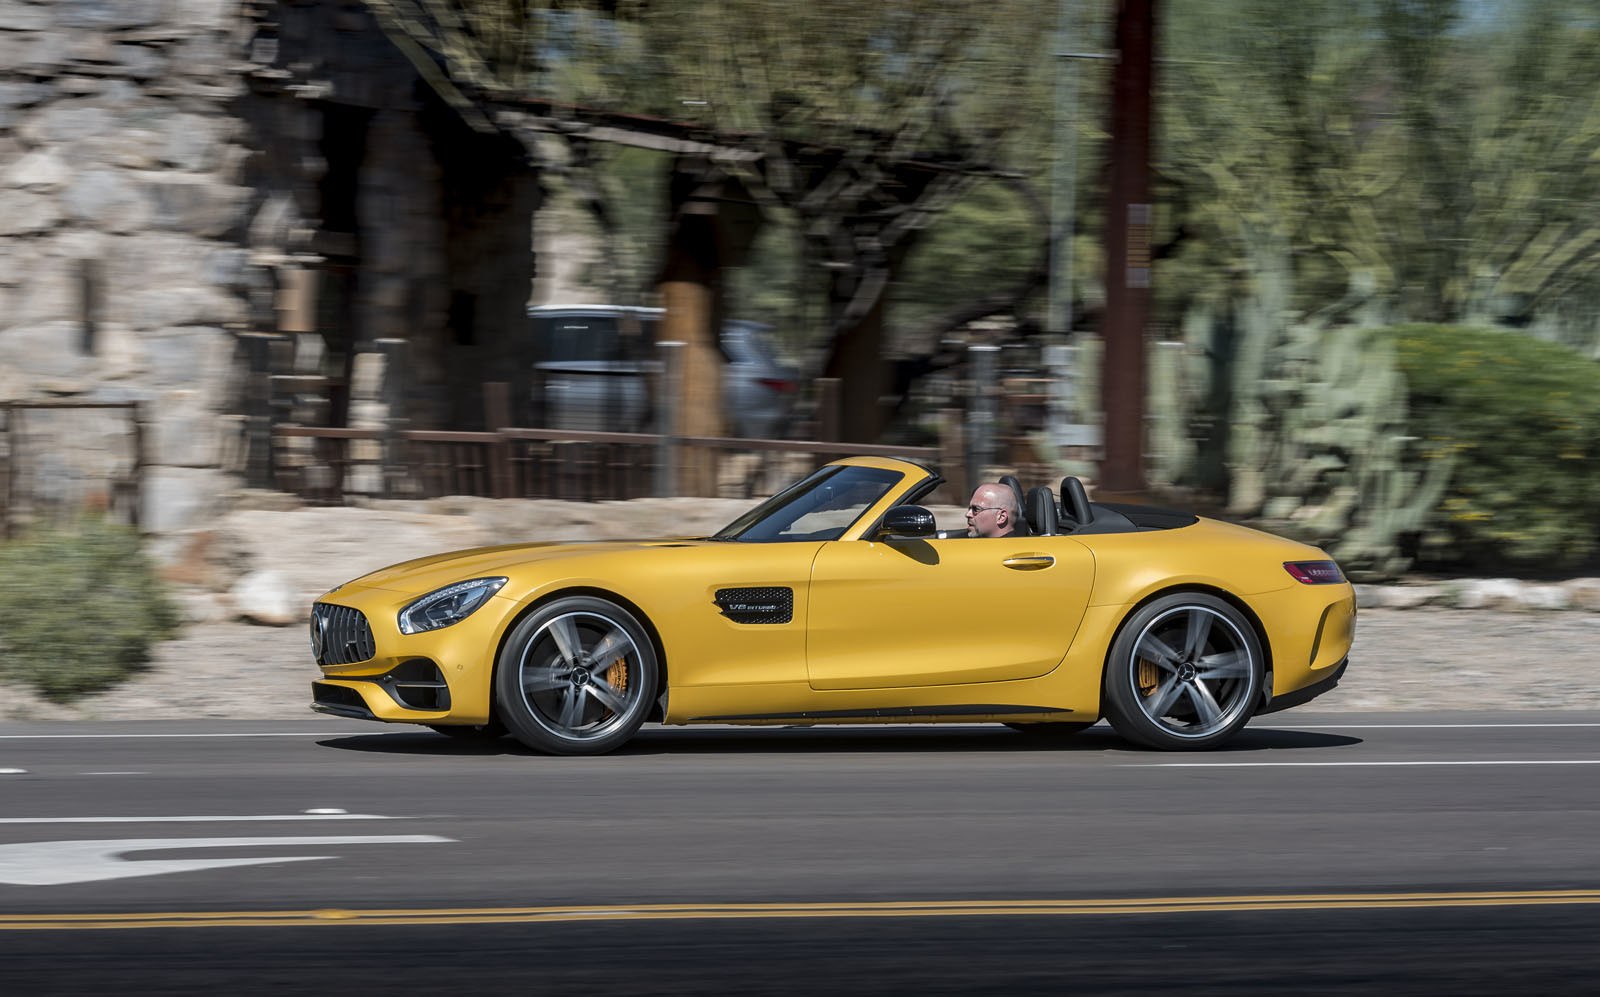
{"x": 993, "y": 512}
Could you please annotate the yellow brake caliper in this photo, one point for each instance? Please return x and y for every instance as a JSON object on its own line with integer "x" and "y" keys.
{"x": 617, "y": 677}
{"x": 1149, "y": 677}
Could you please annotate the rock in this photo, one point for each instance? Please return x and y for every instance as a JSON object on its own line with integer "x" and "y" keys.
{"x": 25, "y": 212}
{"x": 40, "y": 53}
{"x": 49, "y": 291}
{"x": 176, "y": 498}
{"x": 1403, "y": 596}
{"x": 1583, "y": 593}
{"x": 66, "y": 121}
{"x": 184, "y": 431}
{"x": 41, "y": 170}
{"x": 189, "y": 142}
{"x": 200, "y": 607}
{"x": 161, "y": 307}
{"x": 18, "y": 16}
{"x": 47, "y": 350}
{"x": 14, "y": 94}
{"x": 104, "y": 15}
{"x": 206, "y": 558}
{"x": 194, "y": 204}
{"x": 109, "y": 200}
{"x": 1545, "y": 597}
{"x": 264, "y": 597}
{"x": 1509, "y": 594}
{"x": 193, "y": 356}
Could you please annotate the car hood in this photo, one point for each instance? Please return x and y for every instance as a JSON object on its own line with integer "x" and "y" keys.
{"x": 424, "y": 574}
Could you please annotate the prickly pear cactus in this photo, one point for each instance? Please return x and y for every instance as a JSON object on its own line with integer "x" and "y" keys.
{"x": 1328, "y": 454}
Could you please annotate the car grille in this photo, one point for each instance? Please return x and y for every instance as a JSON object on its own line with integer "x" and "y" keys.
{"x": 340, "y": 635}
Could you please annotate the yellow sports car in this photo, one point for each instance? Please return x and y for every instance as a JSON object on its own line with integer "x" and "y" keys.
{"x": 839, "y": 601}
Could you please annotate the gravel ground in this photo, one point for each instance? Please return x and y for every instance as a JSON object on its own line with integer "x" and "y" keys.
{"x": 1411, "y": 659}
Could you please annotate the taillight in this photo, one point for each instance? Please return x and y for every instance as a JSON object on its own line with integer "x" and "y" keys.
{"x": 1314, "y": 572}
{"x": 781, "y": 385}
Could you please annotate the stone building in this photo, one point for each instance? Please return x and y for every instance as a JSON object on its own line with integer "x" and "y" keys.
{"x": 187, "y": 184}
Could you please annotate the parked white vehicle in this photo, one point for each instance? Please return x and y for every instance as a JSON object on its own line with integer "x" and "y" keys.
{"x": 592, "y": 364}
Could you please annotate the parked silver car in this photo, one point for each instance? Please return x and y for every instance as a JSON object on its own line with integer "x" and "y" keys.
{"x": 592, "y": 361}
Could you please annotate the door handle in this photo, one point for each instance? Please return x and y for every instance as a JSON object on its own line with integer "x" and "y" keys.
{"x": 1029, "y": 562}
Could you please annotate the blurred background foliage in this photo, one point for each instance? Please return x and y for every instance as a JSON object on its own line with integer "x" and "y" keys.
{"x": 1376, "y": 230}
{"x": 82, "y": 605}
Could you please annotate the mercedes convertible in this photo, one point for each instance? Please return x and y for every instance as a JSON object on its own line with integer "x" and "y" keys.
{"x": 840, "y": 601}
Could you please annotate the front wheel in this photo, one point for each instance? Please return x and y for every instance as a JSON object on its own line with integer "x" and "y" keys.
{"x": 576, "y": 677}
{"x": 1184, "y": 673}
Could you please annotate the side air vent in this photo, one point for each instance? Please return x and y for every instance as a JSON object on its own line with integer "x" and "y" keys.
{"x": 757, "y": 605}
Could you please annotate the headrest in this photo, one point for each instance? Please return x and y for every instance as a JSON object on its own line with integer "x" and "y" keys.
{"x": 1041, "y": 512}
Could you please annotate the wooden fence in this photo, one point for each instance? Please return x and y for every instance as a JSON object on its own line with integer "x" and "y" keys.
{"x": 60, "y": 458}
{"x": 331, "y": 465}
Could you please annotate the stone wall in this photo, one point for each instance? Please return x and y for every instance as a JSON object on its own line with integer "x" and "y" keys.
{"x": 179, "y": 178}
{"x": 122, "y": 204}
{"x": 418, "y": 225}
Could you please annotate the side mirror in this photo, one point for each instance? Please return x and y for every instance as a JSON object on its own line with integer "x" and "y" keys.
{"x": 906, "y": 522}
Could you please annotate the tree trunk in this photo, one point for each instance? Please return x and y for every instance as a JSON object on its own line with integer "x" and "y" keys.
{"x": 690, "y": 288}
{"x": 856, "y": 359}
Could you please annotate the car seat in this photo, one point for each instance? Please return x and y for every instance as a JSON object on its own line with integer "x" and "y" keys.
{"x": 1075, "y": 509}
{"x": 1040, "y": 512}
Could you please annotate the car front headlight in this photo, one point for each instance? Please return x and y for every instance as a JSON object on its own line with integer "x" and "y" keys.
{"x": 451, "y": 604}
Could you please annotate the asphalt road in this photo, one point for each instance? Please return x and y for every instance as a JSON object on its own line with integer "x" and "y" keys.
{"x": 1426, "y": 853}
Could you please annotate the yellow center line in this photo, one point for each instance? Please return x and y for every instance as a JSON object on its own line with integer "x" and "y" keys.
{"x": 765, "y": 911}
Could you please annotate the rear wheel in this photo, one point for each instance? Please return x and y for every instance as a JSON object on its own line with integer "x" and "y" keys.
{"x": 576, "y": 677}
{"x": 1184, "y": 673}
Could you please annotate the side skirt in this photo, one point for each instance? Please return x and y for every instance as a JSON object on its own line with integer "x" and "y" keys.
{"x": 884, "y": 713}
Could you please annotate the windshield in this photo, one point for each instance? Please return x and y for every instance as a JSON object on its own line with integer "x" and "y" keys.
{"x": 820, "y": 506}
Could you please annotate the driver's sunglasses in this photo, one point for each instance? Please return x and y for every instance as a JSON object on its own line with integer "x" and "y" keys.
{"x": 973, "y": 510}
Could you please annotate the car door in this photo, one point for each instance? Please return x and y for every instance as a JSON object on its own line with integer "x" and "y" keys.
{"x": 904, "y": 613}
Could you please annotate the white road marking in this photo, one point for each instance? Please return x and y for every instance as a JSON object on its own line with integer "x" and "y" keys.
{"x": 53, "y": 863}
{"x": 1242, "y": 765}
{"x": 196, "y": 819}
{"x": 116, "y": 773}
{"x": 13, "y": 771}
{"x": 104, "y": 737}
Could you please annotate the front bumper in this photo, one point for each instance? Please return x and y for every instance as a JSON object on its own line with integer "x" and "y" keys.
{"x": 416, "y": 685}
{"x": 441, "y": 676}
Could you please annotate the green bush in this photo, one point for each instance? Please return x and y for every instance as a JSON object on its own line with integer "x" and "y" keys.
{"x": 79, "y": 609}
{"x": 1520, "y": 419}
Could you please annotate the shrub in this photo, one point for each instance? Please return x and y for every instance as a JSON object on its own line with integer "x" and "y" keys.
{"x": 79, "y": 609}
{"x": 1520, "y": 420}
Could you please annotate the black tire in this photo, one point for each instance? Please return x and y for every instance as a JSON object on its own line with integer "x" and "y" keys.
{"x": 576, "y": 677}
{"x": 1184, "y": 673}
{"x": 491, "y": 731}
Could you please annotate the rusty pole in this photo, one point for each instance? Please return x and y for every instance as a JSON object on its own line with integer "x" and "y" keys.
{"x": 1127, "y": 243}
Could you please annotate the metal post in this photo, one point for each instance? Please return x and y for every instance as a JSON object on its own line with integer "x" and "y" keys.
{"x": 397, "y": 472}
{"x": 12, "y": 444}
{"x": 671, "y": 353}
{"x": 981, "y": 416}
{"x": 1063, "y": 179}
{"x": 136, "y": 509}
